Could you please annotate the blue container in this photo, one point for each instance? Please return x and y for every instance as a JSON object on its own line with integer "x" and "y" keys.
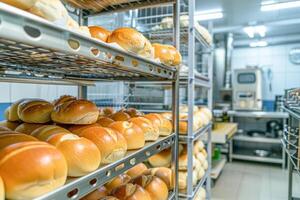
{"x": 268, "y": 105}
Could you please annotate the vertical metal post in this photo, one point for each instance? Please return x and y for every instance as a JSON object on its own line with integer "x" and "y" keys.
{"x": 210, "y": 68}
{"x": 175, "y": 95}
{"x": 290, "y": 168}
{"x": 191, "y": 95}
{"x": 82, "y": 92}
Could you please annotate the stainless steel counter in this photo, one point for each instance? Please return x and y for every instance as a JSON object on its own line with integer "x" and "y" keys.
{"x": 254, "y": 114}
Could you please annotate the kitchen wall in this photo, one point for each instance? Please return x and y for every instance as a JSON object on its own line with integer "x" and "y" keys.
{"x": 285, "y": 74}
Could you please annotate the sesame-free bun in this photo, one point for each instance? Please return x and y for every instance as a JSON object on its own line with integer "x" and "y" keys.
{"x": 63, "y": 99}
{"x": 133, "y": 112}
{"x": 75, "y": 112}
{"x": 133, "y": 134}
{"x": 99, "y": 33}
{"x": 3, "y": 128}
{"x": 27, "y": 128}
{"x": 165, "y": 174}
{"x": 167, "y": 54}
{"x": 132, "y": 41}
{"x": 11, "y": 112}
{"x": 151, "y": 133}
{"x": 31, "y": 169}
{"x": 104, "y": 121}
{"x": 13, "y": 137}
{"x": 162, "y": 159}
{"x": 9, "y": 124}
{"x": 131, "y": 192}
{"x": 120, "y": 116}
{"x": 44, "y": 132}
{"x": 164, "y": 125}
{"x": 137, "y": 170}
{"x": 117, "y": 181}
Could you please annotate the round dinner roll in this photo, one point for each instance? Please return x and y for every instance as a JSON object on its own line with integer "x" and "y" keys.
{"x": 198, "y": 146}
{"x": 131, "y": 192}
{"x": 162, "y": 159}
{"x": 200, "y": 157}
{"x": 165, "y": 174}
{"x": 111, "y": 144}
{"x": 164, "y": 125}
{"x": 2, "y": 190}
{"x": 105, "y": 121}
{"x": 3, "y": 128}
{"x": 31, "y": 169}
{"x": 22, "y": 4}
{"x": 133, "y": 134}
{"x": 120, "y": 116}
{"x": 133, "y": 41}
{"x": 76, "y": 129}
{"x": 137, "y": 170}
{"x": 117, "y": 181}
{"x": 182, "y": 179}
{"x": 44, "y": 132}
{"x": 133, "y": 112}
{"x": 81, "y": 154}
{"x": 207, "y": 112}
{"x": 203, "y": 118}
{"x": 63, "y": 99}
{"x": 99, "y": 33}
{"x": 156, "y": 188}
{"x": 75, "y": 112}
{"x": 183, "y": 161}
{"x": 96, "y": 194}
{"x": 167, "y": 54}
{"x": 27, "y": 128}
{"x": 11, "y": 112}
{"x": 9, "y": 124}
{"x": 35, "y": 111}
{"x": 107, "y": 111}
{"x": 204, "y": 153}
{"x": 13, "y": 137}
{"x": 151, "y": 133}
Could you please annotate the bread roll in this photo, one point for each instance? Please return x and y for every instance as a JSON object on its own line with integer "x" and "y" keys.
{"x": 96, "y": 194}
{"x": 22, "y": 4}
{"x": 163, "y": 124}
{"x": 31, "y": 169}
{"x": 132, "y": 41}
{"x": 151, "y": 133}
{"x": 104, "y": 121}
{"x": 99, "y": 33}
{"x": 162, "y": 159}
{"x": 9, "y": 124}
{"x": 120, "y": 116}
{"x": 205, "y": 165}
{"x": 200, "y": 157}
{"x": 133, "y": 134}
{"x": 107, "y": 111}
{"x": 131, "y": 192}
{"x": 204, "y": 153}
{"x": 201, "y": 194}
{"x": 183, "y": 161}
{"x": 35, "y": 111}
{"x": 198, "y": 146}
{"x": 207, "y": 112}
{"x": 167, "y": 54}
{"x": 27, "y": 128}
{"x": 182, "y": 179}
{"x": 76, "y": 129}
{"x": 2, "y": 190}
{"x": 111, "y": 144}
{"x": 137, "y": 170}
{"x": 156, "y": 188}
{"x": 75, "y": 112}
{"x": 133, "y": 112}
{"x": 44, "y": 132}
{"x": 12, "y": 111}
{"x": 3, "y": 128}
{"x": 63, "y": 99}
{"x": 13, "y": 138}
{"x": 117, "y": 181}
{"x": 202, "y": 118}
{"x": 81, "y": 154}
{"x": 165, "y": 174}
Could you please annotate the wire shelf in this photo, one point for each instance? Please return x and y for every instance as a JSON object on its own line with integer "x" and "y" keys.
{"x": 184, "y": 139}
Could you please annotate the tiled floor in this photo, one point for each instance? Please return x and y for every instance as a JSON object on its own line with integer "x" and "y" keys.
{"x": 253, "y": 181}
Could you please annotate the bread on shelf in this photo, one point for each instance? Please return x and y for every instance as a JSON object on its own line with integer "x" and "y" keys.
{"x": 164, "y": 125}
{"x": 2, "y": 190}
{"x": 3, "y": 128}
{"x": 131, "y": 192}
{"x": 120, "y": 116}
{"x": 137, "y": 170}
{"x": 11, "y": 137}
{"x": 11, "y": 112}
{"x": 161, "y": 159}
{"x": 104, "y": 121}
{"x": 9, "y": 124}
{"x": 75, "y": 112}
{"x": 165, "y": 174}
{"x": 133, "y": 112}
{"x": 117, "y": 181}
{"x": 107, "y": 111}
{"x": 44, "y": 132}
{"x": 167, "y": 54}
{"x": 151, "y": 133}
{"x": 31, "y": 169}
{"x": 99, "y": 33}
{"x": 96, "y": 194}
{"x": 27, "y": 128}
{"x": 63, "y": 99}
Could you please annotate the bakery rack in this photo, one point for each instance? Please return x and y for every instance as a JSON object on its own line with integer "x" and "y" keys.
{"x": 42, "y": 52}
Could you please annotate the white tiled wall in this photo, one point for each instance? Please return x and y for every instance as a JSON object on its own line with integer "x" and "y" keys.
{"x": 285, "y": 74}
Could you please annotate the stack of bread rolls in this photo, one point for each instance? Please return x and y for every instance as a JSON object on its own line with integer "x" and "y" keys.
{"x": 138, "y": 182}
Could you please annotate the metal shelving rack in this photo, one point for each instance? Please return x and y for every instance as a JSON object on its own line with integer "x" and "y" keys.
{"x": 42, "y": 52}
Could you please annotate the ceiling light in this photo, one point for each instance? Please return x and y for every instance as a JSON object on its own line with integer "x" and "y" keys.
{"x": 209, "y": 15}
{"x": 269, "y": 6}
{"x": 259, "y": 44}
{"x": 252, "y": 30}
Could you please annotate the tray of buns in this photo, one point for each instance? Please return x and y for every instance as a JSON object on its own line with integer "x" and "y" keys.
{"x": 44, "y": 49}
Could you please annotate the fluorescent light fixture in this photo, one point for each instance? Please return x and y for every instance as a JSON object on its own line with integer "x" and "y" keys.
{"x": 252, "y": 30}
{"x": 269, "y": 6}
{"x": 209, "y": 15}
{"x": 259, "y": 44}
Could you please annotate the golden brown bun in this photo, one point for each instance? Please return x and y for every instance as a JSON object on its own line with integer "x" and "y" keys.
{"x": 111, "y": 144}
{"x": 167, "y": 54}
{"x": 22, "y": 4}
{"x": 75, "y": 112}
{"x": 156, "y": 188}
{"x": 63, "y": 99}
{"x": 183, "y": 161}
{"x": 162, "y": 159}
{"x": 207, "y": 112}
{"x": 35, "y": 111}
{"x": 12, "y": 111}
{"x": 182, "y": 179}
{"x": 31, "y": 169}
{"x": 104, "y": 121}
{"x": 165, "y": 174}
{"x": 120, "y": 116}
{"x": 76, "y": 129}
{"x": 163, "y": 124}
{"x": 13, "y": 137}
{"x": 81, "y": 154}
{"x": 198, "y": 146}
{"x": 27, "y": 128}
{"x": 133, "y": 134}
{"x": 2, "y": 190}
{"x": 10, "y": 125}
{"x": 44, "y": 132}
{"x": 3, "y": 128}
{"x": 133, "y": 112}
{"x": 99, "y": 33}
{"x": 107, "y": 111}
{"x": 131, "y": 192}
{"x": 96, "y": 194}
{"x": 151, "y": 133}
{"x": 137, "y": 170}
{"x": 132, "y": 41}
{"x": 117, "y": 181}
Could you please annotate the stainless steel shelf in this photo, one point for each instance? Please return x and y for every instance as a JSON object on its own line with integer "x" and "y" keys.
{"x": 256, "y": 139}
{"x": 254, "y": 114}
{"x": 78, "y": 187}
{"x": 44, "y": 50}
{"x": 249, "y": 156}
{"x": 197, "y": 134}
{"x": 200, "y": 80}
{"x": 291, "y": 112}
{"x": 196, "y": 188}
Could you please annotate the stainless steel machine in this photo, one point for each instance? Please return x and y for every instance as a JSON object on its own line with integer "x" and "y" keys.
{"x": 247, "y": 89}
